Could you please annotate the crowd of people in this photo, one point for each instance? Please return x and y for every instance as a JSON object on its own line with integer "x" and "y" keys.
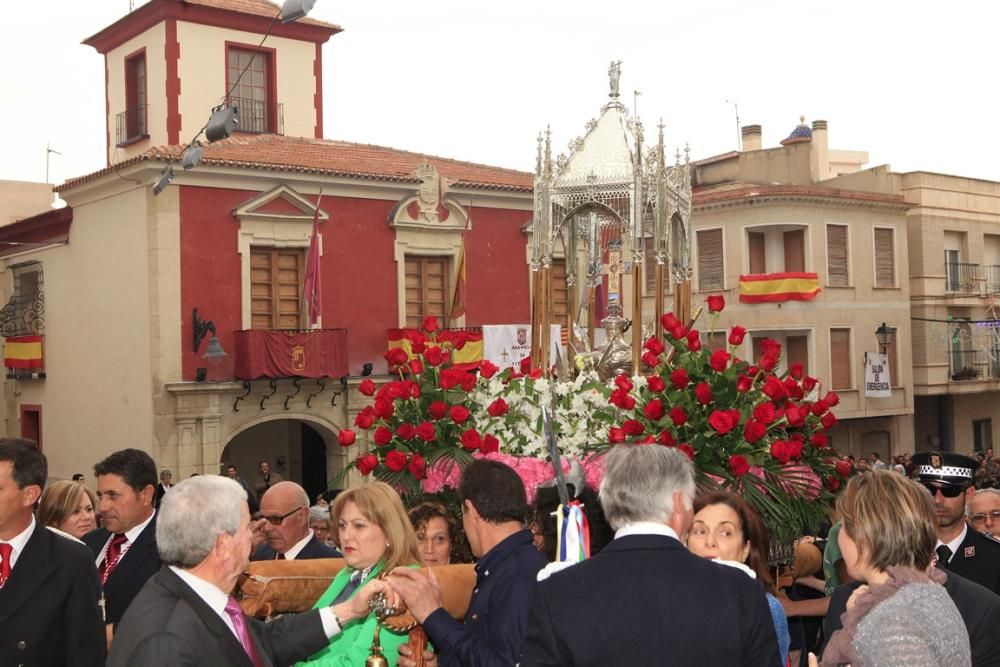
{"x": 144, "y": 571}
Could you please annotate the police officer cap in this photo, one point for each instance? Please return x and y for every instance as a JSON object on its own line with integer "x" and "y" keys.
{"x": 945, "y": 468}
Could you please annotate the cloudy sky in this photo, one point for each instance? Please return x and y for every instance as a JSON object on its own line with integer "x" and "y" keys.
{"x": 912, "y": 83}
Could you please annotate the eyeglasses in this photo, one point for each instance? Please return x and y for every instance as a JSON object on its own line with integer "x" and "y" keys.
{"x": 946, "y": 491}
{"x": 982, "y": 516}
{"x": 276, "y": 520}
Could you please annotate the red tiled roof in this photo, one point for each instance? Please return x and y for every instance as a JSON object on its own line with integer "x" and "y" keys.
{"x": 739, "y": 190}
{"x": 256, "y": 8}
{"x": 335, "y": 158}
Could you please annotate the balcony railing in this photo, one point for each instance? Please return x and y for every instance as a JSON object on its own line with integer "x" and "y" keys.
{"x": 992, "y": 273}
{"x": 131, "y": 126}
{"x": 258, "y": 117}
{"x": 964, "y": 364}
{"x": 961, "y": 277}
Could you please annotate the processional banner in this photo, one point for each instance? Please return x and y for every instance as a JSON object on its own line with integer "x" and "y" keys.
{"x": 507, "y": 344}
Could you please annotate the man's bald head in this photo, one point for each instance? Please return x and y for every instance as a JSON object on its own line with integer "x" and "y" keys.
{"x": 288, "y": 500}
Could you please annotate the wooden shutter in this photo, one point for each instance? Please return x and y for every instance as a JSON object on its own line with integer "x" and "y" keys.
{"x": 758, "y": 256}
{"x": 710, "y": 272}
{"x": 426, "y": 283}
{"x": 559, "y": 292}
{"x": 275, "y": 288}
{"x": 840, "y": 358}
{"x": 795, "y": 251}
{"x": 885, "y": 272}
{"x": 797, "y": 351}
{"x": 836, "y": 256}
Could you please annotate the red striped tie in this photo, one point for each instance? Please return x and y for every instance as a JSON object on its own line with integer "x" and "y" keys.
{"x": 112, "y": 557}
{"x": 6, "y": 551}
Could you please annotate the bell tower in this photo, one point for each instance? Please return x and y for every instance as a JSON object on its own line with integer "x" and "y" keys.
{"x": 169, "y": 63}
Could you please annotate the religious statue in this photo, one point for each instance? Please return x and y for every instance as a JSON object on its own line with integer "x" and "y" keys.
{"x": 617, "y": 356}
{"x": 615, "y": 73}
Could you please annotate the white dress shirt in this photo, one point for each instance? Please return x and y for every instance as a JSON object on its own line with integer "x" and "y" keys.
{"x": 646, "y": 528}
{"x": 955, "y": 543}
{"x": 298, "y": 546}
{"x": 130, "y": 537}
{"x": 18, "y": 541}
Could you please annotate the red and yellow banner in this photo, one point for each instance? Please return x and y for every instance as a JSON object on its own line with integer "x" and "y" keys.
{"x": 23, "y": 352}
{"x": 466, "y": 346}
{"x": 778, "y": 287}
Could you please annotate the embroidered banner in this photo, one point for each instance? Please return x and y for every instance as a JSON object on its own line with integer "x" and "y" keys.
{"x": 506, "y": 344}
{"x": 262, "y": 353}
{"x": 778, "y": 287}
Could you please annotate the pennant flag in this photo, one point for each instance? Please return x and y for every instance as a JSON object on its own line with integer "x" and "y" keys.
{"x": 23, "y": 352}
{"x": 466, "y": 346}
{"x": 458, "y": 296}
{"x": 572, "y": 533}
{"x": 778, "y": 287}
{"x": 313, "y": 288}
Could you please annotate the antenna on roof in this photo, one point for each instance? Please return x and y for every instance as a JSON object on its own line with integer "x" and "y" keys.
{"x": 739, "y": 136}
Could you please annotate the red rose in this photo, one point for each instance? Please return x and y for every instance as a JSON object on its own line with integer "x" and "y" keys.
{"x": 832, "y": 483}
{"x": 794, "y": 417}
{"x": 819, "y": 440}
{"x": 678, "y": 416}
{"x": 427, "y": 432}
{"x": 844, "y": 468}
{"x": 430, "y": 324}
{"x": 831, "y": 399}
{"x": 809, "y": 383}
{"x": 366, "y": 464}
{"x": 449, "y": 379}
{"x": 770, "y": 348}
{"x": 655, "y": 384}
{"x": 738, "y": 465}
{"x": 819, "y": 407}
{"x": 774, "y": 388}
{"x": 365, "y": 419}
{"x": 367, "y": 387}
{"x": 467, "y": 381}
{"x": 437, "y": 409}
{"x": 622, "y": 399}
{"x": 666, "y": 439}
{"x": 417, "y": 347}
{"x": 796, "y": 370}
{"x": 623, "y": 382}
{"x": 668, "y": 321}
{"x": 417, "y": 466}
{"x": 396, "y": 356}
{"x": 416, "y": 367}
{"x": 382, "y": 436}
{"x": 693, "y": 341}
{"x": 526, "y": 365}
{"x": 719, "y": 360}
{"x": 346, "y": 437}
{"x": 458, "y": 413}
{"x": 498, "y": 408}
{"x": 383, "y": 408}
{"x": 723, "y": 421}
{"x": 471, "y": 439}
{"x": 616, "y": 435}
{"x": 679, "y": 378}
{"x": 743, "y": 383}
{"x": 488, "y": 369}
{"x": 754, "y": 431}
{"x": 396, "y": 389}
{"x": 655, "y": 345}
{"x": 828, "y": 420}
{"x": 736, "y": 335}
{"x": 395, "y": 460}
{"x": 767, "y": 364}
{"x": 687, "y": 449}
{"x": 406, "y": 431}
{"x": 648, "y": 440}
{"x": 633, "y": 427}
{"x": 435, "y": 356}
{"x": 650, "y": 359}
{"x": 780, "y": 451}
{"x": 716, "y": 302}
{"x": 795, "y": 448}
{"x": 679, "y": 331}
{"x": 793, "y": 389}
{"x": 703, "y": 393}
{"x": 654, "y": 409}
{"x": 490, "y": 444}
{"x": 414, "y": 389}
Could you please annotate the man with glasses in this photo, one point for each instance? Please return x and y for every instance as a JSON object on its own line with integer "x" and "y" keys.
{"x": 984, "y": 512}
{"x": 284, "y": 521}
{"x": 967, "y": 553}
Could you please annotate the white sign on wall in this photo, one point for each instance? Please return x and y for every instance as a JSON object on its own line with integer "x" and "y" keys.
{"x": 877, "y": 382}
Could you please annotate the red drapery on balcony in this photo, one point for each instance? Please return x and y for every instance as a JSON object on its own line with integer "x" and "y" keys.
{"x": 263, "y": 353}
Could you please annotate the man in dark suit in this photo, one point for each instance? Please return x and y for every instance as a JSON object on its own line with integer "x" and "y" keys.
{"x": 166, "y": 478}
{"x": 232, "y": 474}
{"x": 960, "y": 549}
{"x": 285, "y": 509}
{"x": 48, "y": 586}
{"x": 125, "y": 547}
{"x": 184, "y": 614}
{"x": 644, "y": 600}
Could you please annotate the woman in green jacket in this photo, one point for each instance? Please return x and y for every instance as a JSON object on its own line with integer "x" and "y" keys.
{"x": 375, "y": 536}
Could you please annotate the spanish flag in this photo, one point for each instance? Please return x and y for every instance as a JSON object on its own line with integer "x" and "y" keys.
{"x": 778, "y": 287}
{"x": 471, "y": 343}
{"x": 23, "y": 352}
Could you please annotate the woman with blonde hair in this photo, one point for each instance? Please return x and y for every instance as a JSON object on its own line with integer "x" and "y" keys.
{"x": 903, "y": 615}
{"x": 68, "y": 508}
{"x": 375, "y": 536}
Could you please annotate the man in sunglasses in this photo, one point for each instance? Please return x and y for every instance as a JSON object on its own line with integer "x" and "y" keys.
{"x": 284, "y": 511}
{"x": 960, "y": 549}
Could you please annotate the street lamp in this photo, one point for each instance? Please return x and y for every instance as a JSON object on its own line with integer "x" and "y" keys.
{"x": 885, "y": 336}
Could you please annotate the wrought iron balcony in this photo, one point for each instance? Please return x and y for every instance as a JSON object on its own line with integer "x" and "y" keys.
{"x": 258, "y": 117}
{"x": 961, "y": 277}
{"x": 964, "y": 364}
{"x": 131, "y": 126}
{"x": 992, "y": 272}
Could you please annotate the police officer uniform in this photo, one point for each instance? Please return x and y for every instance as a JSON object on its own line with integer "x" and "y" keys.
{"x": 976, "y": 557}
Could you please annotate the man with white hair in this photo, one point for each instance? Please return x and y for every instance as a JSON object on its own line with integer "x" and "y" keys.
{"x": 285, "y": 508}
{"x": 184, "y": 614}
{"x": 983, "y": 512}
{"x": 644, "y": 600}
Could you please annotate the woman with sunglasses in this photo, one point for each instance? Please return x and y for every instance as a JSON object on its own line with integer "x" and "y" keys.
{"x": 375, "y": 535}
